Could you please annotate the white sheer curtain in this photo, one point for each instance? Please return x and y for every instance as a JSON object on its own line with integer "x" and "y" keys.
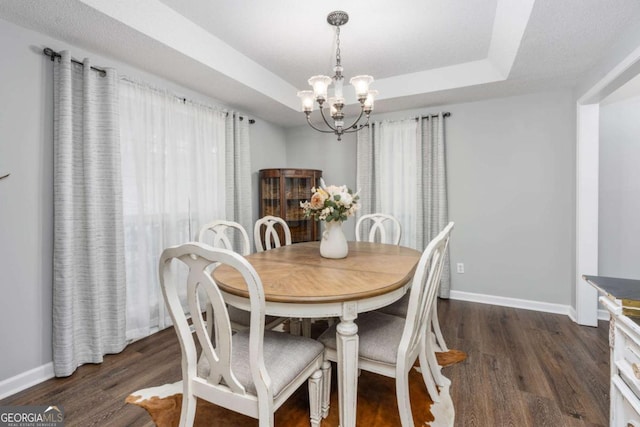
{"x": 396, "y": 145}
{"x": 401, "y": 171}
{"x": 173, "y": 163}
{"x": 88, "y": 252}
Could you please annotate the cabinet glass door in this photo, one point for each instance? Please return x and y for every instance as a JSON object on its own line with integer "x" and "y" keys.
{"x": 271, "y": 196}
{"x": 298, "y": 190}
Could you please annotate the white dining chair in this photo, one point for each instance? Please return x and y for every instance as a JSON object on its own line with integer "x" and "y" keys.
{"x": 377, "y": 231}
{"x": 265, "y": 235}
{"x": 390, "y": 345}
{"x": 399, "y": 308}
{"x": 252, "y": 372}
{"x": 223, "y": 234}
{"x": 269, "y": 239}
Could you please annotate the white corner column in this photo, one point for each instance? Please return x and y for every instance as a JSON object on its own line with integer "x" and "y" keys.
{"x": 588, "y": 118}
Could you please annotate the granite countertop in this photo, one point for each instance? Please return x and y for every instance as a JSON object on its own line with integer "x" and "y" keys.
{"x": 623, "y": 289}
{"x": 627, "y": 291}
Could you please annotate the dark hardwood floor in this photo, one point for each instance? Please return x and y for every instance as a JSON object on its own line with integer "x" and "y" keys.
{"x": 524, "y": 368}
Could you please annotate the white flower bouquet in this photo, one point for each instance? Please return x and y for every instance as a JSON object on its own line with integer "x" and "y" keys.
{"x": 330, "y": 203}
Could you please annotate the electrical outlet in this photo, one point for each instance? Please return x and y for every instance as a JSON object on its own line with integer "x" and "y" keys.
{"x": 460, "y": 268}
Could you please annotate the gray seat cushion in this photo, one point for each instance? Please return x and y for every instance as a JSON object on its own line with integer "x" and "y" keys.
{"x": 285, "y": 356}
{"x": 379, "y": 336}
{"x": 243, "y": 317}
{"x": 398, "y": 308}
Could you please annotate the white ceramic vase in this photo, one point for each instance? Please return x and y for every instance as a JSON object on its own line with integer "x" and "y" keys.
{"x": 333, "y": 243}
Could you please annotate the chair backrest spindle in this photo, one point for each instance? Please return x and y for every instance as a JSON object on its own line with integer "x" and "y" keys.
{"x": 270, "y": 238}
{"x": 423, "y": 293}
{"x": 377, "y": 231}
{"x": 224, "y": 237}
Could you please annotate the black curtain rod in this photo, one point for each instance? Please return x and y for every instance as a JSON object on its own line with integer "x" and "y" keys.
{"x": 251, "y": 121}
{"x": 53, "y": 55}
{"x": 428, "y": 116}
{"x": 446, "y": 114}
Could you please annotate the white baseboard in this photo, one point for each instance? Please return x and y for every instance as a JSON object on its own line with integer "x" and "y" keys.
{"x": 545, "y": 307}
{"x": 25, "y": 380}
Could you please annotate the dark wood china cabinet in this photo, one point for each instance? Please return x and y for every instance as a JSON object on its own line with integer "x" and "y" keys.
{"x": 281, "y": 191}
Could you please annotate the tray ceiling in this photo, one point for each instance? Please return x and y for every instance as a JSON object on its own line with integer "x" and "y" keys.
{"x": 254, "y": 56}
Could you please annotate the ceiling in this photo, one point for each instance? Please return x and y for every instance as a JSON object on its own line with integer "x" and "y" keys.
{"x": 254, "y": 55}
{"x": 629, "y": 90}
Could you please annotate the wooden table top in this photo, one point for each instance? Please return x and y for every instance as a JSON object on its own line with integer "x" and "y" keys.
{"x": 298, "y": 274}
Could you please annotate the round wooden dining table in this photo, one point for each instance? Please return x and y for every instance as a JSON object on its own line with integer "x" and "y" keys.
{"x": 299, "y": 283}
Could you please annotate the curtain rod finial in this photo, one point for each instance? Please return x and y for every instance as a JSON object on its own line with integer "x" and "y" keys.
{"x": 50, "y": 53}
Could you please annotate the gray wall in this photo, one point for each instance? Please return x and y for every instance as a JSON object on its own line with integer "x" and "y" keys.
{"x": 512, "y": 185}
{"x": 268, "y": 150}
{"x": 619, "y": 203}
{"x": 26, "y": 197}
{"x": 26, "y": 203}
{"x": 511, "y": 168}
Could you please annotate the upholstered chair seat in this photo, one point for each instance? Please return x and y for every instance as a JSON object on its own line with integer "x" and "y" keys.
{"x": 379, "y": 335}
{"x": 284, "y": 355}
{"x": 398, "y": 308}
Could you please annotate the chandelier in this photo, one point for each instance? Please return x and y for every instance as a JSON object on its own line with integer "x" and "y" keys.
{"x": 335, "y": 104}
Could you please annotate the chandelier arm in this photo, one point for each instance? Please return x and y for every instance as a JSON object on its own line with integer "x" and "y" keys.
{"x": 356, "y": 121}
{"x": 318, "y": 129}
{"x": 357, "y": 128}
{"x": 335, "y": 129}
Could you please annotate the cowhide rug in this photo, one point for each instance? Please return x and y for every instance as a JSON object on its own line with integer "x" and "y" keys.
{"x": 376, "y": 403}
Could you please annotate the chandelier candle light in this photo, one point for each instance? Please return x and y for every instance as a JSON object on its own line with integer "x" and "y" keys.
{"x": 335, "y": 104}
